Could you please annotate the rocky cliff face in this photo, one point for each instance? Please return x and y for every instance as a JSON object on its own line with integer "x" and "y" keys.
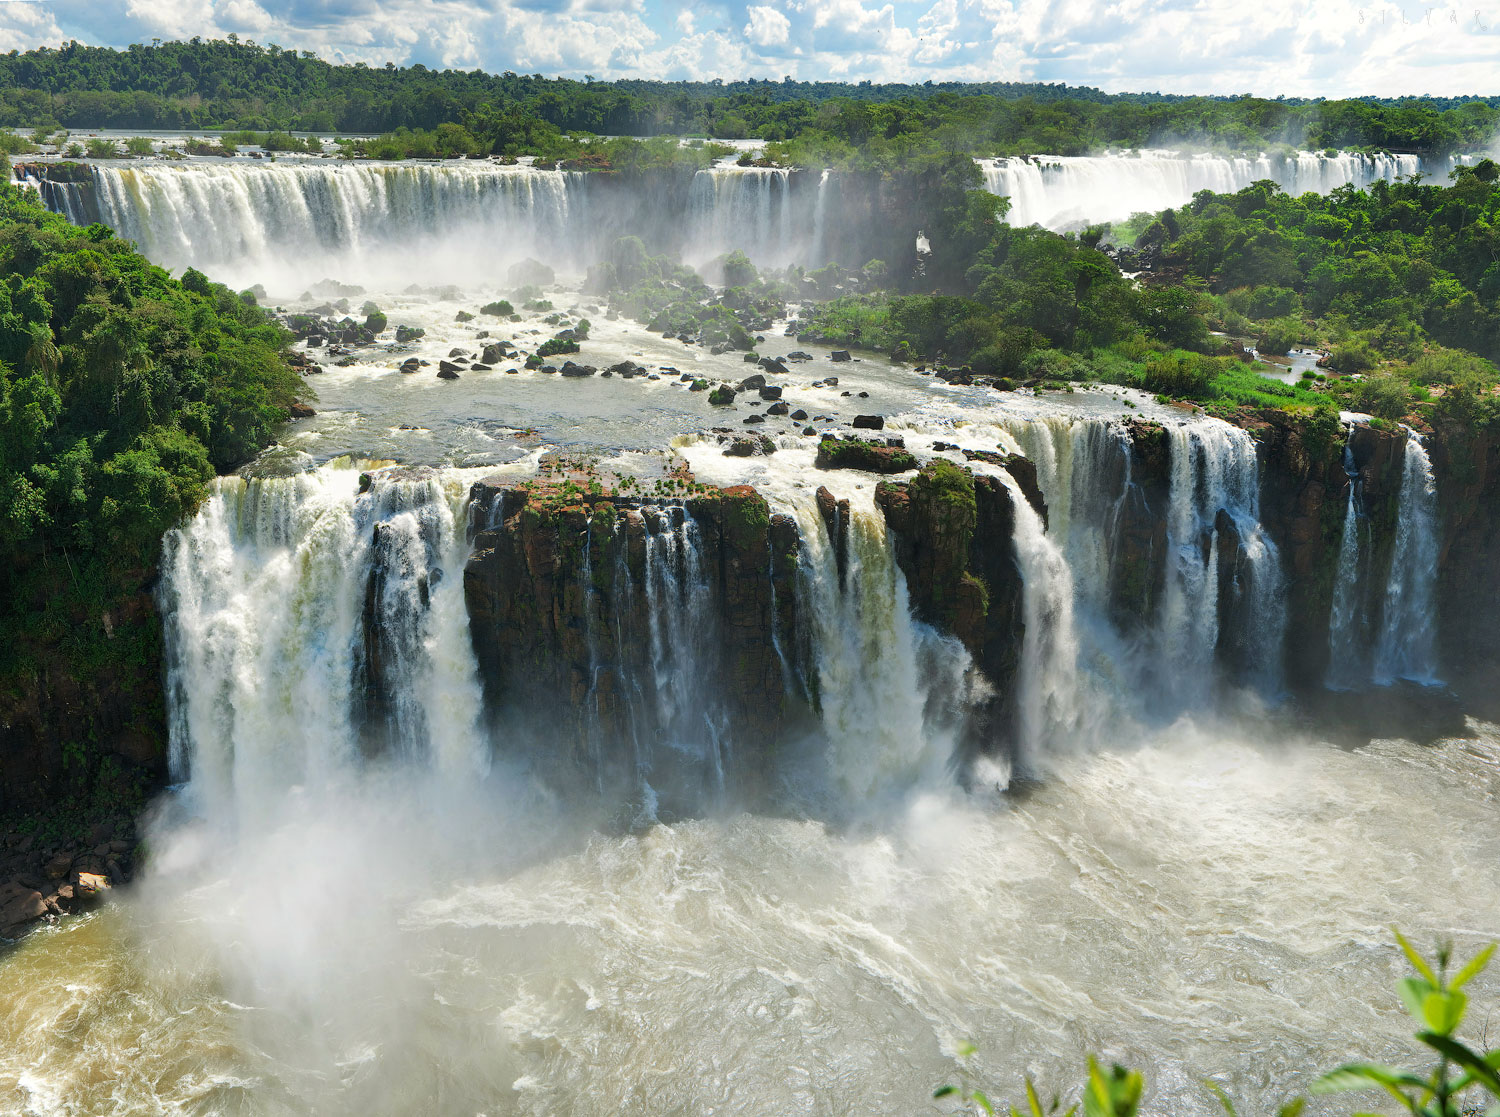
{"x": 73, "y": 729}
{"x": 954, "y": 536}
{"x": 657, "y": 622}
{"x": 1466, "y": 464}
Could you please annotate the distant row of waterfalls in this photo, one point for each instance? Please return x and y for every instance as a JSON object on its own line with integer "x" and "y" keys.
{"x": 270, "y": 222}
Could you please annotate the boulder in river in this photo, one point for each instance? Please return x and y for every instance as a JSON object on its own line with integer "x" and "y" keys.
{"x": 839, "y": 355}
{"x": 869, "y": 422}
{"x": 752, "y": 383}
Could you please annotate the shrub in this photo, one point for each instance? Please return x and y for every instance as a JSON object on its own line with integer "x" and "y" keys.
{"x": 500, "y": 308}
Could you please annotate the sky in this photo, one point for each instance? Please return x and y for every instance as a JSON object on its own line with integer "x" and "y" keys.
{"x": 1304, "y": 48}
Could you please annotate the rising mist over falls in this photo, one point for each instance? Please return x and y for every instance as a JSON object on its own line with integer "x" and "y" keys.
{"x": 550, "y": 745}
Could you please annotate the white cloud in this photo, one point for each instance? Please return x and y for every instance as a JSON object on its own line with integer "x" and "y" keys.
{"x": 1332, "y": 48}
{"x": 767, "y": 27}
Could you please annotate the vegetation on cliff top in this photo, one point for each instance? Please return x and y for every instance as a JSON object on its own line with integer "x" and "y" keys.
{"x": 1398, "y": 283}
{"x": 122, "y": 392}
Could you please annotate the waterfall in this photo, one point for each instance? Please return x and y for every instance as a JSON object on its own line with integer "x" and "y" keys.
{"x": 1409, "y": 616}
{"x": 892, "y": 692}
{"x": 1215, "y": 484}
{"x": 1060, "y": 191}
{"x": 688, "y": 719}
{"x": 820, "y": 209}
{"x": 1049, "y": 696}
{"x": 306, "y": 623}
{"x": 745, "y": 209}
{"x": 1346, "y": 629}
{"x": 292, "y": 223}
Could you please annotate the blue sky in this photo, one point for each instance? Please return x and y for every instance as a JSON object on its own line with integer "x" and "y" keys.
{"x": 1296, "y": 47}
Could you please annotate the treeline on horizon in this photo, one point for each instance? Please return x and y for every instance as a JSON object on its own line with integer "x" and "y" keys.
{"x": 241, "y": 85}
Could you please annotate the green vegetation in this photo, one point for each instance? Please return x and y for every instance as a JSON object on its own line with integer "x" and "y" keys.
{"x": 122, "y": 392}
{"x": 1463, "y": 1081}
{"x": 425, "y": 113}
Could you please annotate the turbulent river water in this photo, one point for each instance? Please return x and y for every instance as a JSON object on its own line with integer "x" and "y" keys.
{"x": 1186, "y": 882}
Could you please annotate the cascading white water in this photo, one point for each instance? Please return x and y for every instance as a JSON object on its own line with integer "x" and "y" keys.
{"x": 1214, "y": 469}
{"x": 1409, "y": 616}
{"x": 1048, "y": 680}
{"x": 292, "y": 223}
{"x": 264, "y": 594}
{"x": 1059, "y": 191}
{"x": 746, "y": 209}
{"x": 681, "y": 609}
{"x": 820, "y": 218}
{"x": 1346, "y": 650}
{"x": 891, "y": 690}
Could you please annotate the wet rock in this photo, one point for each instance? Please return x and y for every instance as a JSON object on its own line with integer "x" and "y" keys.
{"x": 799, "y": 415}
{"x": 492, "y": 353}
{"x": 301, "y": 411}
{"x": 722, "y": 396}
{"x": 755, "y": 419}
{"x": 777, "y": 408}
{"x": 571, "y": 369}
{"x": 447, "y": 371}
{"x": 409, "y": 333}
{"x": 770, "y": 391}
{"x": 869, "y": 422}
{"x": 479, "y": 368}
{"x": 839, "y": 355}
{"x": 752, "y": 383}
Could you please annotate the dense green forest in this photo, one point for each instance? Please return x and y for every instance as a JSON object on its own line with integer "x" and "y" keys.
{"x": 239, "y": 85}
{"x": 1401, "y": 283}
{"x": 122, "y": 392}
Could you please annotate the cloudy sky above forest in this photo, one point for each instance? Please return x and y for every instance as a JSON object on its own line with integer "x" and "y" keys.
{"x": 1296, "y": 47}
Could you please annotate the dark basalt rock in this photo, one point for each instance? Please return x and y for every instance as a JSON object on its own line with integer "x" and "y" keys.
{"x": 839, "y": 355}
{"x": 547, "y": 572}
{"x": 871, "y": 457}
{"x": 868, "y": 422}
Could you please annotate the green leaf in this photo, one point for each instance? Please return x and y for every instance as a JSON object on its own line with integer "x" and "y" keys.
{"x": 1476, "y": 964}
{"x": 979, "y": 1099}
{"x": 965, "y": 1049}
{"x": 1444, "y": 1011}
{"x": 1481, "y": 1067}
{"x": 1032, "y": 1100}
{"x": 944, "y": 1091}
{"x": 1413, "y": 991}
{"x": 1418, "y": 962}
{"x": 1292, "y": 1108}
{"x": 1222, "y": 1096}
{"x": 1362, "y": 1076}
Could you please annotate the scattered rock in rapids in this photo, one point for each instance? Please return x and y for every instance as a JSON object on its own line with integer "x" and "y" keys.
{"x": 752, "y": 383}
{"x": 755, "y": 419}
{"x": 839, "y": 355}
{"x": 571, "y": 369}
{"x": 447, "y": 371}
{"x": 799, "y": 415}
{"x": 770, "y": 391}
{"x": 479, "y": 368}
{"x": 409, "y": 333}
{"x": 722, "y": 396}
{"x": 778, "y": 408}
{"x": 869, "y": 422}
{"x": 301, "y": 411}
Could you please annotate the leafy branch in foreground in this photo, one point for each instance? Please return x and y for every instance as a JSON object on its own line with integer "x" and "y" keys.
{"x": 1437, "y": 1003}
{"x": 1112, "y": 1093}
